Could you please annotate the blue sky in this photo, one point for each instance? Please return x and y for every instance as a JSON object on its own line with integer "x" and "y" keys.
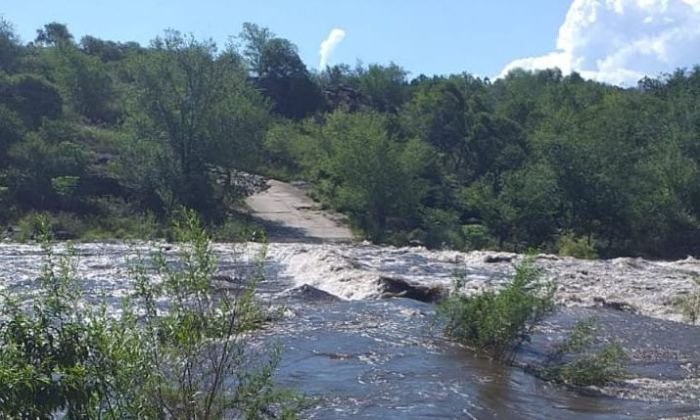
{"x": 616, "y": 41}
{"x": 441, "y": 36}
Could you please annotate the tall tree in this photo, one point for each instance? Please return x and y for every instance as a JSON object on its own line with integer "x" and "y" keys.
{"x": 280, "y": 73}
{"x": 10, "y": 46}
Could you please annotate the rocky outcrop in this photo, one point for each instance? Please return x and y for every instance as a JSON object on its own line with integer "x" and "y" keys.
{"x": 309, "y": 293}
{"x": 397, "y": 287}
{"x": 242, "y": 183}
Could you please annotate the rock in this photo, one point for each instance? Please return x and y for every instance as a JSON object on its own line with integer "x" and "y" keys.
{"x": 309, "y": 293}
{"x": 241, "y": 182}
{"x": 225, "y": 278}
{"x": 498, "y": 258}
{"x": 397, "y": 287}
{"x": 617, "y": 306}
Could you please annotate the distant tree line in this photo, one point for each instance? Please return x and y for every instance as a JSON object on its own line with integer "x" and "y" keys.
{"x": 110, "y": 134}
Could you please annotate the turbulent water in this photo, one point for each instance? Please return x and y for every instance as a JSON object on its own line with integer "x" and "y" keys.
{"x": 365, "y": 355}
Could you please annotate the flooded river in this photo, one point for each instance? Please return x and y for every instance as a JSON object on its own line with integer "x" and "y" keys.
{"x": 362, "y": 352}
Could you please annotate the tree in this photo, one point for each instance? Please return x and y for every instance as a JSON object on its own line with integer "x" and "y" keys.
{"x": 383, "y": 88}
{"x": 201, "y": 105}
{"x": 85, "y": 81}
{"x": 10, "y": 47}
{"x": 280, "y": 73}
{"x": 53, "y": 34}
{"x": 376, "y": 178}
{"x": 11, "y": 131}
{"x": 33, "y": 98}
{"x": 437, "y": 114}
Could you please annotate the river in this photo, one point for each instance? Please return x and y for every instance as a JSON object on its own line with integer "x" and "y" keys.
{"x": 365, "y": 354}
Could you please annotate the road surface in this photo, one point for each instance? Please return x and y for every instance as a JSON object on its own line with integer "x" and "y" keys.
{"x": 290, "y": 215}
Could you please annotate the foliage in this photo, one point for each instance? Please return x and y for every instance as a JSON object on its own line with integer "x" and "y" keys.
{"x": 570, "y": 245}
{"x": 177, "y": 350}
{"x": 497, "y": 322}
{"x": 85, "y": 82}
{"x": 530, "y": 158}
{"x": 599, "y": 368}
{"x": 477, "y": 237}
{"x": 195, "y": 100}
{"x": 280, "y": 73}
{"x": 591, "y": 367}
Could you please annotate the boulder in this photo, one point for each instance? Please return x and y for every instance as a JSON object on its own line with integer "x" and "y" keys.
{"x": 398, "y": 287}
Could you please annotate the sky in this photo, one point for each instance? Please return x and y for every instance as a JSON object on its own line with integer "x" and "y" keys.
{"x": 615, "y": 41}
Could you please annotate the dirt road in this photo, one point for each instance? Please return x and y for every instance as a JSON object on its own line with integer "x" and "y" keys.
{"x": 291, "y": 216}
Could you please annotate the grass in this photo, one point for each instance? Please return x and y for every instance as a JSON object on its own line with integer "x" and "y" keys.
{"x": 497, "y": 322}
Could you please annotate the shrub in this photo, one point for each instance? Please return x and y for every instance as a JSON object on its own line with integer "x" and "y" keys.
{"x": 63, "y": 225}
{"x": 590, "y": 367}
{"x": 497, "y": 322}
{"x": 477, "y": 237}
{"x": 178, "y": 350}
{"x": 570, "y": 245}
{"x": 599, "y": 368}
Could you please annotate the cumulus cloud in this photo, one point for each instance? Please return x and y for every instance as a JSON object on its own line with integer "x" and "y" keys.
{"x": 328, "y": 45}
{"x": 621, "y": 41}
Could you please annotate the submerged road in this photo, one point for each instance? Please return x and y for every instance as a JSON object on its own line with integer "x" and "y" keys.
{"x": 290, "y": 215}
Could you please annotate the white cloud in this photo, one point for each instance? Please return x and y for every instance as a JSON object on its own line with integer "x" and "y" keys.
{"x": 328, "y": 45}
{"x": 621, "y": 41}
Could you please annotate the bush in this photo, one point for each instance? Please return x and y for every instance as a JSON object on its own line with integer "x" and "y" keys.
{"x": 497, "y": 322}
{"x": 178, "y": 350}
{"x": 477, "y": 237}
{"x": 599, "y": 368}
{"x": 570, "y": 245}
{"x": 591, "y": 368}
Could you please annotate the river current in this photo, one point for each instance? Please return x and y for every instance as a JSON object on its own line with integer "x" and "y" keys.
{"x": 362, "y": 351}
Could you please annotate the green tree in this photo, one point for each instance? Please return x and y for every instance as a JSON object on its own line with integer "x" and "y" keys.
{"x": 201, "y": 105}
{"x": 375, "y": 176}
{"x": 85, "y": 82}
{"x": 53, "y": 34}
{"x": 280, "y": 73}
{"x": 10, "y": 46}
{"x": 33, "y": 98}
{"x": 383, "y": 88}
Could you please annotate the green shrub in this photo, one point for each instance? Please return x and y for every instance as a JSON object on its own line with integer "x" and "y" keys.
{"x": 65, "y": 186}
{"x": 63, "y": 225}
{"x": 477, "y": 237}
{"x": 497, "y": 322}
{"x": 599, "y": 368}
{"x": 178, "y": 349}
{"x": 27, "y": 227}
{"x": 590, "y": 367}
{"x": 570, "y": 245}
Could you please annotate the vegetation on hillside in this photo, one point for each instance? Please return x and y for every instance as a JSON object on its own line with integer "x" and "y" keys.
{"x": 105, "y": 136}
